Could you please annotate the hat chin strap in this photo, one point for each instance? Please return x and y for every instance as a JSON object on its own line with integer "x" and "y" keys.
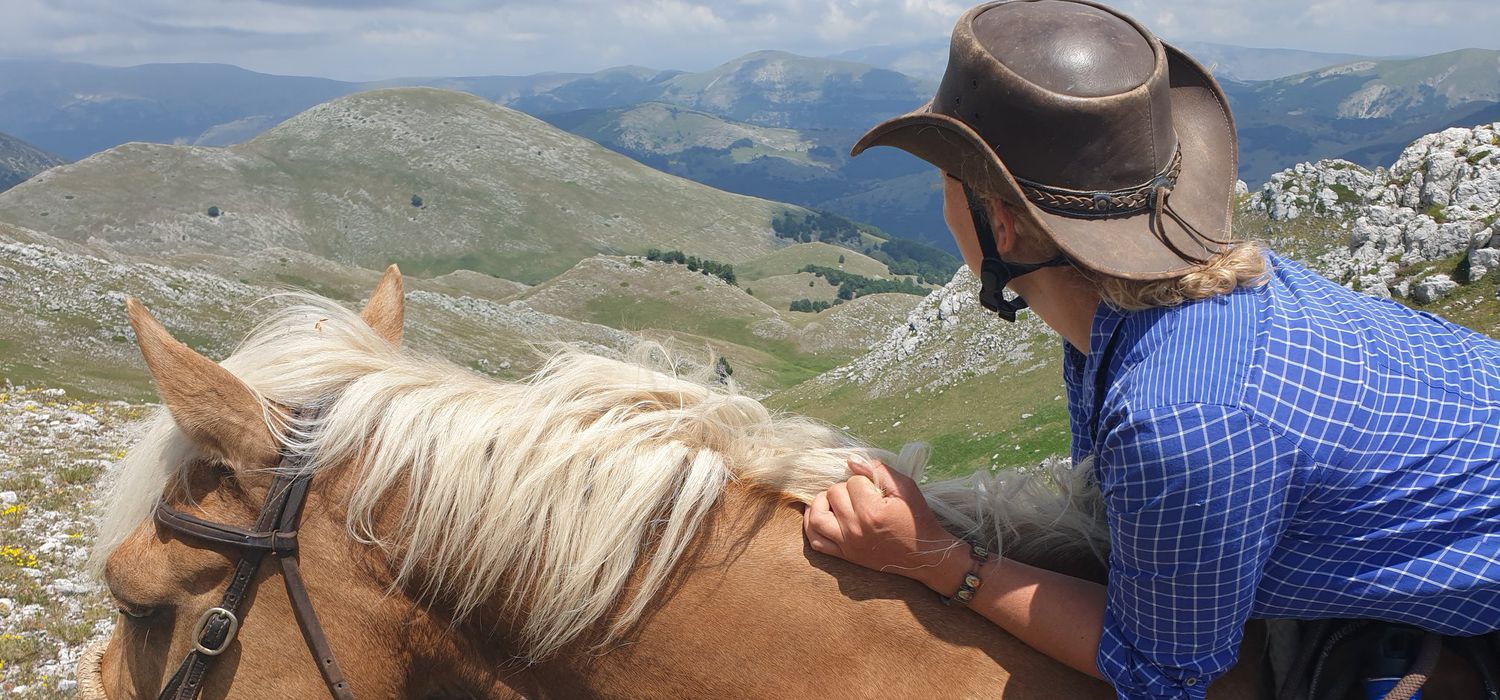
{"x": 995, "y": 272}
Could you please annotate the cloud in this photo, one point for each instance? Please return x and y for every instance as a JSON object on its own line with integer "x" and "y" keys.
{"x": 366, "y": 39}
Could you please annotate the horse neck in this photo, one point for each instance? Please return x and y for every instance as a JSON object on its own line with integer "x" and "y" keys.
{"x": 752, "y": 612}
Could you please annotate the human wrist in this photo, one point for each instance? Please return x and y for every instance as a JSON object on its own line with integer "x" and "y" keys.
{"x": 946, "y": 571}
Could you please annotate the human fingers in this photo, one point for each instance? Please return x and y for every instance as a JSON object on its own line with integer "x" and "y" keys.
{"x": 864, "y": 493}
{"x": 859, "y": 464}
{"x": 892, "y": 482}
{"x": 821, "y": 527}
{"x": 843, "y": 509}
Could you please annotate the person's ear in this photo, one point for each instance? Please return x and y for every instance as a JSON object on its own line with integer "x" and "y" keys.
{"x": 1003, "y": 221}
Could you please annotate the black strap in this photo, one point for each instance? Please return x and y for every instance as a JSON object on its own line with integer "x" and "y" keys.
{"x": 995, "y": 272}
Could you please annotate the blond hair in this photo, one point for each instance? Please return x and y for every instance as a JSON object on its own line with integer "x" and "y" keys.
{"x": 1241, "y": 265}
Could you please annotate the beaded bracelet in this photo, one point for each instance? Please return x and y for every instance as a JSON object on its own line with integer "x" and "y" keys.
{"x": 971, "y": 581}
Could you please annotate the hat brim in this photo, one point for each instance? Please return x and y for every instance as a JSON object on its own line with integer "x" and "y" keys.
{"x": 1125, "y": 246}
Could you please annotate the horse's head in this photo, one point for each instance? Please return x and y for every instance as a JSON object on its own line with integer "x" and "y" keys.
{"x": 215, "y": 459}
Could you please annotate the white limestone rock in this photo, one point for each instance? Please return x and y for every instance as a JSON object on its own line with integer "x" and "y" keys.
{"x": 946, "y": 339}
{"x": 1457, "y": 169}
{"x": 1333, "y": 188}
{"x": 1433, "y": 288}
{"x": 1439, "y": 199}
{"x": 1482, "y": 262}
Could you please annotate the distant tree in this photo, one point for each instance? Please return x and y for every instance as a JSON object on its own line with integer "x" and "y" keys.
{"x": 852, "y": 286}
{"x": 213, "y": 212}
{"x": 416, "y": 201}
{"x": 722, "y": 368}
{"x": 841, "y": 260}
{"x": 810, "y": 306}
{"x": 723, "y": 271}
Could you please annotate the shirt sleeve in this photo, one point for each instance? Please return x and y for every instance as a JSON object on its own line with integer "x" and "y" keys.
{"x": 1197, "y": 496}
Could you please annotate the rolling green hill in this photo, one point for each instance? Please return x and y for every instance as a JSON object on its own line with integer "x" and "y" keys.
{"x": 770, "y": 345}
{"x": 792, "y": 259}
{"x": 434, "y": 180}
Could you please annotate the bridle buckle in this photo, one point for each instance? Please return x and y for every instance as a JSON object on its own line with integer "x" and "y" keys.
{"x": 202, "y": 625}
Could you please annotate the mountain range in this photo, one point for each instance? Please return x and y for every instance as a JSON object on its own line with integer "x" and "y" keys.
{"x": 432, "y": 179}
{"x": 768, "y": 124}
{"x": 1365, "y": 112}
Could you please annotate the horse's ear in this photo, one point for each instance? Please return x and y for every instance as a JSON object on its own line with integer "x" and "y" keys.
{"x": 386, "y": 309}
{"x": 211, "y": 405}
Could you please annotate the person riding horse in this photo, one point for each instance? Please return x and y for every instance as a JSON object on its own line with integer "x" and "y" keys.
{"x": 1268, "y": 443}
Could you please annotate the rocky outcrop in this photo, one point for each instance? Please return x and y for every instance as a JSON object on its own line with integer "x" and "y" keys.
{"x": 1441, "y": 198}
{"x": 1333, "y": 188}
{"x": 947, "y": 338}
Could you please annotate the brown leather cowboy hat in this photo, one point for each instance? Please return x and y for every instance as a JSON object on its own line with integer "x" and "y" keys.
{"x": 1117, "y": 146}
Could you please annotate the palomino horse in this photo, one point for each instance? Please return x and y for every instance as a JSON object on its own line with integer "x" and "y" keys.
{"x": 600, "y": 530}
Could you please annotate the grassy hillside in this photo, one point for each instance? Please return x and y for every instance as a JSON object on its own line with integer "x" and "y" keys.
{"x": 663, "y": 129}
{"x": 979, "y": 390}
{"x": 793, "y": 259}
{"x": 497, "y": 219}
{"x": 781, "y": 290}
{"x": 62, "y": 319}
{"x": 769, "y": 346}
{"x": 434, "y": 180}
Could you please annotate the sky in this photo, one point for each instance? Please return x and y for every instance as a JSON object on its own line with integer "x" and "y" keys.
{"x": 371, "y": 39}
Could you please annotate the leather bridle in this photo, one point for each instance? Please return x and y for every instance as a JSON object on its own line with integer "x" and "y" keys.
{"x": 275, "y": 533}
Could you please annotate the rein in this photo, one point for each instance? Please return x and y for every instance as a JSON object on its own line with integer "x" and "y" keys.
{"x": 274, "y": 533}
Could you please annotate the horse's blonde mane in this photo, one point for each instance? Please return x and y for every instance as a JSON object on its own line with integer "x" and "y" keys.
{"x": 560, "y": 488}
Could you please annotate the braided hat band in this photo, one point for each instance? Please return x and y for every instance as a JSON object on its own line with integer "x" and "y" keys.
{"x": 1103, "y": 204}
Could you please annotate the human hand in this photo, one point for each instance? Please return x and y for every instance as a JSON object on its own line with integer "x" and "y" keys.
{"x": 879, "y": 519}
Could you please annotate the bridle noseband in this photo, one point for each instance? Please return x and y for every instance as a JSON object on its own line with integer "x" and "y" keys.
{"x": 275, "y": 533}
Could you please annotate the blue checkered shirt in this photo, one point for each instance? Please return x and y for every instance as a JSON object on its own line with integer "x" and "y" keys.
{"x": 1293, "y": 450}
